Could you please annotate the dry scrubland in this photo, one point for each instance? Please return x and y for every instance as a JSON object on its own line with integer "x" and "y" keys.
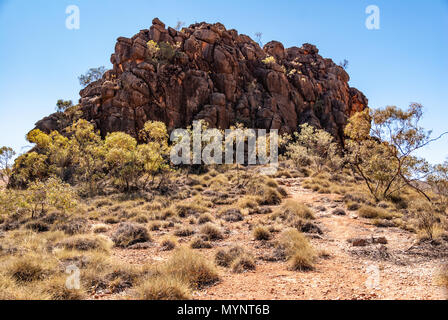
{"x": 197, "y": 240}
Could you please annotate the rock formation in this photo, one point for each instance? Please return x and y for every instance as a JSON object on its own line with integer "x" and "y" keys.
{"x": 208, "y": 72}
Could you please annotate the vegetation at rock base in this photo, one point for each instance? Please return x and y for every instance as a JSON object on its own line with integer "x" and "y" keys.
{"x": 78, "y": 197}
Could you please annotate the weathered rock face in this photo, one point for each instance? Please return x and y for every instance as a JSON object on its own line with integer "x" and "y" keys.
{"x": 220, "y": 76}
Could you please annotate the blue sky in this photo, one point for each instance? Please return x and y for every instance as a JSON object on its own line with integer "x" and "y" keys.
{"x": 405, "y": 61}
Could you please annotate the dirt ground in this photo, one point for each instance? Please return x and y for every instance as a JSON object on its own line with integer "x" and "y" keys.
{"x": 395, "y": 270}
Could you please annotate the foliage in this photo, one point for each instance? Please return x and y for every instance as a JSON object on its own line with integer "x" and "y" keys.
{"x": 39, "y": 196}
{"x": 87, "y": 152}
{"x": 11, "y": 201}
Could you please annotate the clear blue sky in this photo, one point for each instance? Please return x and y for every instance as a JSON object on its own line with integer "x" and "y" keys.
{"x": 405, "y": 61}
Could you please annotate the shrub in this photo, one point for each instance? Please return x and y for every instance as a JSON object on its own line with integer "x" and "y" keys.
{"x": 152, "y": 49}
{"x": 353, "y": 206}
{"x": 248, "y": 202}
{"x": 204, "y": 218}
{"x": 370, "y": 212}
{"x": 212, "y": 232}
{"x": 270, "y": 196}
{"x": 224, "y": 258}
{"x": 315, "y": 147}
{"x": 428, "y": 222}
{"x": 155, "y": 226}
{"x": 188, "y": 266}
{"x": 128, "y": 234}
{"x": 184, "y": 232}
{"x": 37, "y": 226}
{"x": 243, "y": 263}
{"x": 200, "y": 243}
{"x": 261, "y": 233}
{"x": 168, "y": 244}
{"x": 269, "y": 60}
{"x": 53, "y": 192}
{"x": 185, "y": 209}
{"x": 58, "y": 290}
{"x": 292, "y": 209}
{"x": 75, "y": 226}
{"x": 85, "y": 243}
{"x": 231, "y": 214}
{"x": 100, "y": 228}
{"x": 27, "y": 269}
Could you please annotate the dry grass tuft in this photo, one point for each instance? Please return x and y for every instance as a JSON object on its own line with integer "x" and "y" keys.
{"x": 262, "y": 233}
{"x": 190, "y": 267}
{"x": 200, "y": 243}
{"x": 370, "y": 212}
{"x": 298, "y": 250}
{"x": 292, "y": 209}
{"x": 85, "y": 243}
{"x": 204, "y": 218}
{"x": 184, "y": 232}
{"x": 212, "y": 232}
{"x": 168, "y": 244}
{"x": 128, "y": 234}
{"x": 243, "y": 263}
{"x": 28, "y": 269}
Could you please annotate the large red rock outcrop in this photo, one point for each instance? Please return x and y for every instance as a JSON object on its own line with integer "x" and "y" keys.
{"x": 218, "y": 75}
